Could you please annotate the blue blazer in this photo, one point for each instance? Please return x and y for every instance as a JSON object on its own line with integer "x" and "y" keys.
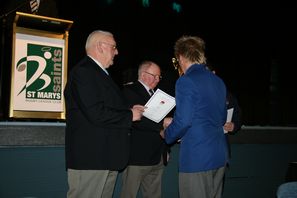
{"x": 198, "y": 120}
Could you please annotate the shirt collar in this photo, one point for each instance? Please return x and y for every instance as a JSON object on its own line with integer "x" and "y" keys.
{"x": 100, "y": 65}
{"x": 145, "y": 86}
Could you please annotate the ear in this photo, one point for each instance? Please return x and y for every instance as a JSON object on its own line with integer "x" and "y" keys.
{"x": 99, "y": 48}
{"x": 142, "y": 76}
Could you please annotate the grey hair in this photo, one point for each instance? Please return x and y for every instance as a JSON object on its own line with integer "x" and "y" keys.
{"x": 143, "y": 66}
{"x": 93, "y": 37}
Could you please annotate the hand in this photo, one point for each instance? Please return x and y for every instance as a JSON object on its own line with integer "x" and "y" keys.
{"x": 162, "y": 134}
{"x": 168, "y": 157}
{"x": 166, "y": 122}
{"x": 229, "y": 126}
{"x": 137, "y": 111}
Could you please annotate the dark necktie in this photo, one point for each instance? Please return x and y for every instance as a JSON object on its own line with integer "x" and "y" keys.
{"x": 34, "y": 6}
{"x": 151, "y": 92}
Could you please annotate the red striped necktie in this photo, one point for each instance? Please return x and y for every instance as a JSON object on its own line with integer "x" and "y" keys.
{"x": 34, "y": 6}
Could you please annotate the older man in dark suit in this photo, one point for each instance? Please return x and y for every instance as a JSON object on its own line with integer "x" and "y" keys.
{"x": 146, "y": 166}
{"x": 98, "y": 122}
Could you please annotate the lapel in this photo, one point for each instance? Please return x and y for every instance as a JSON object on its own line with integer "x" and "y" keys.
{"x": 142, "y": 91}
{"x": 105, "y": 77}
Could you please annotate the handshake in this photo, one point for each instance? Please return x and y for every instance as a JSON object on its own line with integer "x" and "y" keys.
{"x": 137, "y": 111}
{"x": 166, "y": 122}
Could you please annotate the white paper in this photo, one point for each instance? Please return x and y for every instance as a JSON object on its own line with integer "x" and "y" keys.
{"x": 158, "y": 106}
{"x": 229, "y": 116}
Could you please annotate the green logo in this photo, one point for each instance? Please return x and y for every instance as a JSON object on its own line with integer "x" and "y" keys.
{"x": 42, "y": 68}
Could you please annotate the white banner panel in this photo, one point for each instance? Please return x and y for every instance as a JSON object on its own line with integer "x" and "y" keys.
{"x": 38, "y": 73}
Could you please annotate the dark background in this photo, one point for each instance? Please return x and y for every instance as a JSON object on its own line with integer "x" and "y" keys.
{"x": 251, "y": 44}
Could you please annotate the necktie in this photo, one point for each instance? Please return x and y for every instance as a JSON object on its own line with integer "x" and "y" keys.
{"x": 34, "y": 6}
{"x": 151, "y": 92}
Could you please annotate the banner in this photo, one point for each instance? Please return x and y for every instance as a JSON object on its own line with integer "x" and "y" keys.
{"x": 38, "y": 73}
{"x": 39, "y": 66}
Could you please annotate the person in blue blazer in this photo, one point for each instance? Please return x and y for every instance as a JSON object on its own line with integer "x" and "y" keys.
{"x": 98, "y": 121}
{"x": 198, "y": 123}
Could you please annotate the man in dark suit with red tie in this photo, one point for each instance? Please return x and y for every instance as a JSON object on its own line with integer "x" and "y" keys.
{"x": 148, "y": 150}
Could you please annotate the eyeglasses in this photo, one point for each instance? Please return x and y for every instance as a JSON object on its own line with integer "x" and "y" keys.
{"x": 111, "y": 45}
{"x": 156, "y": 77}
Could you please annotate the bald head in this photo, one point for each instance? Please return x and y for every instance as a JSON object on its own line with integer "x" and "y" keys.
{"x": 101, "y": 46}
{"x": 96, "y": 37}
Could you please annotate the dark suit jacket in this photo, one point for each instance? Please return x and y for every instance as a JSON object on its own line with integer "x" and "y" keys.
{"x": 236, "y": 117}
{"x": 147, "y": 146}
{"x": 98, "y": 122}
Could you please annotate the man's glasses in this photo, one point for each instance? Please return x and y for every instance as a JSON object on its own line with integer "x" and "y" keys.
{"x": 156, "y": 77}
{"x": 111, "y": 45}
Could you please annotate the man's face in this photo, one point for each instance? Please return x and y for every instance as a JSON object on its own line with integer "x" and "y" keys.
{"x": 152, "y": 76}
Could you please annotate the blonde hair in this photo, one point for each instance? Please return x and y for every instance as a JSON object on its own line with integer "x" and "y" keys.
{"x": 192, "y": 48}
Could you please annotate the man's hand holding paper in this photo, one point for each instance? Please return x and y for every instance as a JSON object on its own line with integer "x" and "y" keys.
{"x": 159, "y": 105}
